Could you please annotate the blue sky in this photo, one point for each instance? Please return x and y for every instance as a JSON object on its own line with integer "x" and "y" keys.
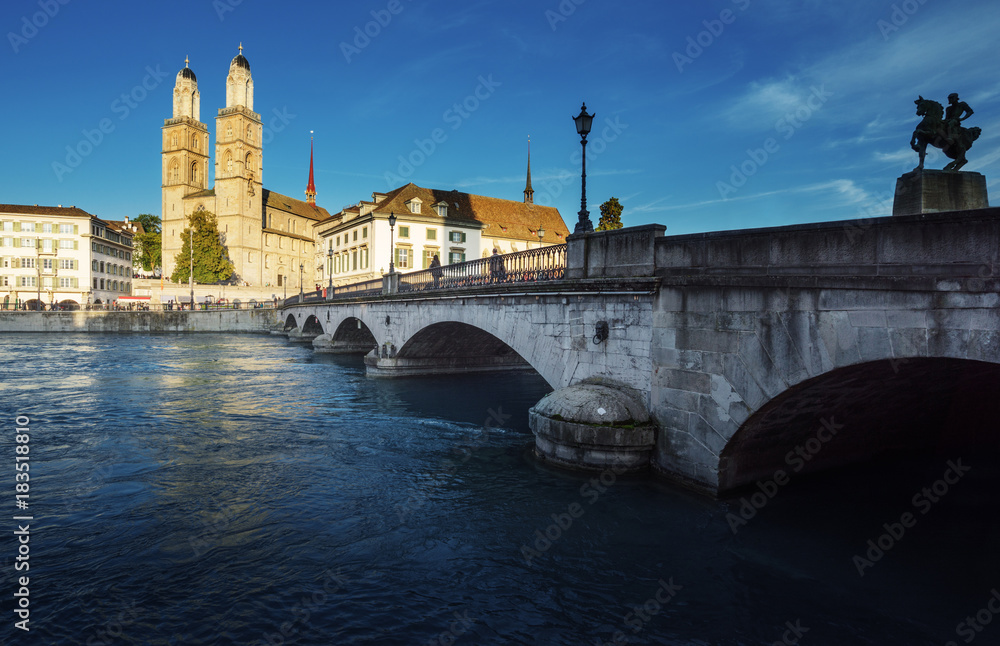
{"x": 684, "y": 92}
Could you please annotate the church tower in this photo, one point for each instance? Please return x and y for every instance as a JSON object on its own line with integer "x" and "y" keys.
{"x": 238, "y": 169}
{"x": 185, "y": 161}
{"x": 311, "y": 186}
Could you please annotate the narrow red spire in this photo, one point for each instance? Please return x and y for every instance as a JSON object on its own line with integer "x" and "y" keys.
{"x": 311, "y": 188}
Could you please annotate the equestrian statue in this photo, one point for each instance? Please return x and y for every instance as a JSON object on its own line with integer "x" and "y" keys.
{"x": 943, "y": 129}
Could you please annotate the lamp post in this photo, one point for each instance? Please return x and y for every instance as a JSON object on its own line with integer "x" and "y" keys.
{"x": 583, "y": 124}
{"x": 392, "y": 254}
{"x": 329, "y": 255}
{"x": 301, "y": 294}
{"x": 541, "y": 234}
{"x": 191, "y": 272}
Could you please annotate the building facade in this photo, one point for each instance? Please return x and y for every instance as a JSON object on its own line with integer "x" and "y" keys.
{"x": 268, "y": 235}
{"x": 354, "y": 244}
{"x": 51, "y": 255}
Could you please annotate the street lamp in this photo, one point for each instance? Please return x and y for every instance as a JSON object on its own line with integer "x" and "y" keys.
{"x": 301, "y": 294}
{"x": 329, "y": 255}
{"x": 191, "y": 272}
{"x": 392, "y": 254}
{"x": 583, "y": 124}
{"x": 541, "y": 234}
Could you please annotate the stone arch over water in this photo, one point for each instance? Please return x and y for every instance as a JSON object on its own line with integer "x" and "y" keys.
{"x": 860, "y": 412}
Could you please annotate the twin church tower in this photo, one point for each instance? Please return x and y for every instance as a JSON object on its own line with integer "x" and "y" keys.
{"x": 268, "y": 235}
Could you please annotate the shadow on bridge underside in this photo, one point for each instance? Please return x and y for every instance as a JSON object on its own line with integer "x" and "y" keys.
{"x": 865, "y": 411}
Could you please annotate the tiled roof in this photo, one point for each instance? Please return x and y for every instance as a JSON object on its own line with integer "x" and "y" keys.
{"x": 287, "y": 204}
{"x": 119, "y": 225}
{"x": 27, "y": 209}
{"x": 501, "y": 218}
{"x": 210, "y": 192}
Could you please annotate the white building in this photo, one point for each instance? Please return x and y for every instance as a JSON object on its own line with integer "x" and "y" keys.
{"x": 62, "y": 256}
{"x": 452, "y": 225}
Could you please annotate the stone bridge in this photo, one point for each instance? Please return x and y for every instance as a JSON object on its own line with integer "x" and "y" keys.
{"x": 739, "y": 356}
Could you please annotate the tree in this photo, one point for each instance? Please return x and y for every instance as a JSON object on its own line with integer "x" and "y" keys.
{"x": 611, "y": 215}
{"x": 148, "y": 253}
{"x": 211, "y": 260}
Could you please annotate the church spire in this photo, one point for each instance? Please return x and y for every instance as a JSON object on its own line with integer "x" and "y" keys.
{"x": 529, "y": 193}
{"x": 311, "y": 187}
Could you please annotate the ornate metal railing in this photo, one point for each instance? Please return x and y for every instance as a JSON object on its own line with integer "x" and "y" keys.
{"x": 533, "y": 265}
{"x": 354, "y": 290}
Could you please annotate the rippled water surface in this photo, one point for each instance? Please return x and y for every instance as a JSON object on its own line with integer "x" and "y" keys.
{"x": 241, "y": 490}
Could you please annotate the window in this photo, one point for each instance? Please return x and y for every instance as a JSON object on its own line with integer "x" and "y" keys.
{"x": 28, "y": 242}
{"x": 8, "y": 226}
{"x": 66, "y": 244}
{"x": 46, "y": 263}
{"x": 456, "y": 257}
{"x": 456, "y": 236}
{"x": 4, "y": 282}
{"x": 173, "y": 141}
{"x": 404, "y": 232}
{"x": 355, "y": 235}
{"x": 432, "y": 234}
{"x": 65, "y": 228}
{"x": 354, "y": 260}
{"x": 229, "y": 162}
{"x": 403, "y": 258}
{"x": 67, "y": 264}
{"x": 102, "y": 283}
{"x": 414, "y": 205}
{"x": 364, "y": 232}
{"x": 442, "y": 210}
{"x": 27, "y": 226}
{"x": 280, "y": 279}
{"x": 27, "y": 263}
{"x": 338, "y": 241}
{"x": 65, "y": 282}
{"x": 428, "y": 256}
{"x": 47, "y": 227}
{"x": 28, "y": 281}
{"x": 229, "y": 131}
{"x": 47, "y": 246}
{"x": 93, "y": 265}
{"x": 364, "y": 258}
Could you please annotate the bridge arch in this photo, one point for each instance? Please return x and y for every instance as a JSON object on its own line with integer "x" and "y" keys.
{"x": 454, "y": 346}
{"x": 290, "y": 322}
{"x": 859, "y": 412}
{"x": 312, "y": 325}
{"x": 352, "y": 335}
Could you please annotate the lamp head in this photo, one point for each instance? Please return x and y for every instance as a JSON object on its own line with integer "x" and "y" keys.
{"x": 392, "y": 220}
{"x": 583, "y": 121}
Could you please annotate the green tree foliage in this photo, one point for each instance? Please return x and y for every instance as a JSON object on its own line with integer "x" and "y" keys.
{"x": 611, "y": 215}
{"x": 211, "y": 260}
{"x": 148, "y": 250}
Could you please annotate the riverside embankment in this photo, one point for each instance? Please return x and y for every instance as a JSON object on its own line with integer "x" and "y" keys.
{"x": 252, "y": 321}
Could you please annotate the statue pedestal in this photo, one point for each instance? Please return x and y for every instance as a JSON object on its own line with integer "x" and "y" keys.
{"x": 934, "y": 191}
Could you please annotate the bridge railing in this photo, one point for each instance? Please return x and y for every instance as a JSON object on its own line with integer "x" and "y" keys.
{"x": 533, "y": 265}
{"x": 366, "y": 288}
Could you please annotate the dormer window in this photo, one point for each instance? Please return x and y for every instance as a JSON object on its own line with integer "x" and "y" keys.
{"x": 442, "y": 209}
{"x": 414, "y": 205}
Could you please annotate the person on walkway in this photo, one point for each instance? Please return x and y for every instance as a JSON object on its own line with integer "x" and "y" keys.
{"x": 436, "y": 270}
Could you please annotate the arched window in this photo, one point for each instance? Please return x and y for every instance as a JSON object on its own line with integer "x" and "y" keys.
{"x": 175, "y": 172}
{"x": 229, "y": 131}
{"x": 194, "y": 172}
{"x": 229, "y": 162}
{"x": 267, "y": 262}
{"x": 250, "y": 168}
{"x": 250, "y": 134}
{"x": 173, "y": 140}
{"x": 194, "y": 141}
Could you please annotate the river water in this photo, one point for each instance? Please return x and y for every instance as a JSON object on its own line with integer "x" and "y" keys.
{"x": 211, "y": 489}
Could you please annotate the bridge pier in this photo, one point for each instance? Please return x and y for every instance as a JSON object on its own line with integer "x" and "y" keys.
{"x": 396, "y": 366}
{"x": 328, "y": 344}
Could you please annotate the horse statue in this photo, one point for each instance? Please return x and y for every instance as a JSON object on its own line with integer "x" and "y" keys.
{"x": 944, "y": 133}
